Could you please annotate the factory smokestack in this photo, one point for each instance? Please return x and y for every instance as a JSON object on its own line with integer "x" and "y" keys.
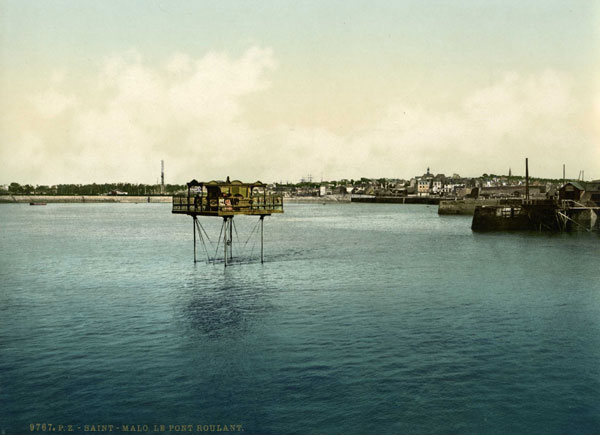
{"x": 162, "y": 176}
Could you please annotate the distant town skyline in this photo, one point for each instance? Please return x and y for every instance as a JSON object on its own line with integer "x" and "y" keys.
{"x": 309, "y": 179}
{"x": 103, "y": 91}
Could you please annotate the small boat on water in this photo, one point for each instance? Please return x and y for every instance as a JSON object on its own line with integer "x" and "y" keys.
{"x": 37, "y": 203}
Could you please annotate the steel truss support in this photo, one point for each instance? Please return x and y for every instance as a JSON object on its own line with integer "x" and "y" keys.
{"x": 227, "y": 239}
{"x": 227, "y": 231}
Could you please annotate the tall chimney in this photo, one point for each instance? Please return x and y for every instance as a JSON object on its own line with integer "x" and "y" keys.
{"x": 526, "y": 178}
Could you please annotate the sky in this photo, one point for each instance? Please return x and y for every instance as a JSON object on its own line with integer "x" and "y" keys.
{"x": 102, "y": 91}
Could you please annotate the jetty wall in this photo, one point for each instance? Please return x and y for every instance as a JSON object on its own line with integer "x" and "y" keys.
{"x": 7, "y": 199}
{"x": 463, "y": 206}
{"x": 487, "y": 218}
{"x": 316, "y": 199}
{"x": 397, "y": 199}
{"x": 583, "y": 220}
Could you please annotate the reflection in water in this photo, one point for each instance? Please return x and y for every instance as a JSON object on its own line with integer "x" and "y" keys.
{"x": 224, "y": 302}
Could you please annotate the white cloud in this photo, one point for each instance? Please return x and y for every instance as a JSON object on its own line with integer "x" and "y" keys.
{"x": 180, "y": 63}
{"x": 491, "y": 130}
{"x": 186, "y": 112}
{"x": 191, "y": 113}
{"x": 52, "y": 103}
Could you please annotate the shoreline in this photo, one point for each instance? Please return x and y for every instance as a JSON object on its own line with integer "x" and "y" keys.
{"x": 77, "y": 199}
{"x": 316, "y": 199}
{"x": 168, "y": 199}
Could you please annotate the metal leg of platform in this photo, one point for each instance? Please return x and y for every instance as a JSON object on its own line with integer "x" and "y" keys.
{"x": 262, "y": 222}
{"x": 225, "y": 242}
{"x": 194, "y": 223}
{"x": 231, "y": 238}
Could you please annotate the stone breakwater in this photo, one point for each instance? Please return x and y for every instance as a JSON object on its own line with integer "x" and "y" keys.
{"x": 467, "y": 206}
{"x": 7, "y": 199}
{"x": 316, "y": 199}
{"x": 397, "y": 199}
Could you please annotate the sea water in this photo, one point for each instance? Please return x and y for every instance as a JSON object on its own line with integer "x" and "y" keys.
{"x": 364, "y": 319}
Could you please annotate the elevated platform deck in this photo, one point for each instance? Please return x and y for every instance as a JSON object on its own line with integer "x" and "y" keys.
{"x": 228, "y": 206}
{"x": 227, "y": 199}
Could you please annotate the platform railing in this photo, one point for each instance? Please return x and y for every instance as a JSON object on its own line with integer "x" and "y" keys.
{"x": 573, "y": 204}
{"x": 224, "y": 205}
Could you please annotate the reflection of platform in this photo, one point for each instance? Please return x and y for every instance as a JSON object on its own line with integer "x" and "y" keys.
{"x": 227, "y": 198}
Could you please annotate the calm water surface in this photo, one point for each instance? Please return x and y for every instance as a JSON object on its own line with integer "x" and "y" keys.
{"x": 364, "y": 319}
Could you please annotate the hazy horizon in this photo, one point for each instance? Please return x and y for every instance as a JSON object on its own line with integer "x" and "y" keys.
{"x": 103, "y": 91}
{"x": 316, "y": 180}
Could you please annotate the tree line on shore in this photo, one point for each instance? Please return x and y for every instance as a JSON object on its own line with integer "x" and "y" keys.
{"x": 94, "y": 189}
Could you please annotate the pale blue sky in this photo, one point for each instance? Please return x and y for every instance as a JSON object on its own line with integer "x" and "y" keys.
{"x": 486, "y": 34}
{"x": 340, "y": 65}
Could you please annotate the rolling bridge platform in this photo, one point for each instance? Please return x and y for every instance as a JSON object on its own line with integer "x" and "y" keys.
{"x": 227, "y": 199}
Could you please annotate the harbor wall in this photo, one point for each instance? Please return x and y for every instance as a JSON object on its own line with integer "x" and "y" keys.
{"x": 316, "y": 199}
{"x": 534, "y": 216}
{"x": 465, "y": 206}
{"x": 398, "y": 199}
{"x": 583, "y": 220}
{"x": 7, "y": 199}
{"x": 486, "y": 218}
